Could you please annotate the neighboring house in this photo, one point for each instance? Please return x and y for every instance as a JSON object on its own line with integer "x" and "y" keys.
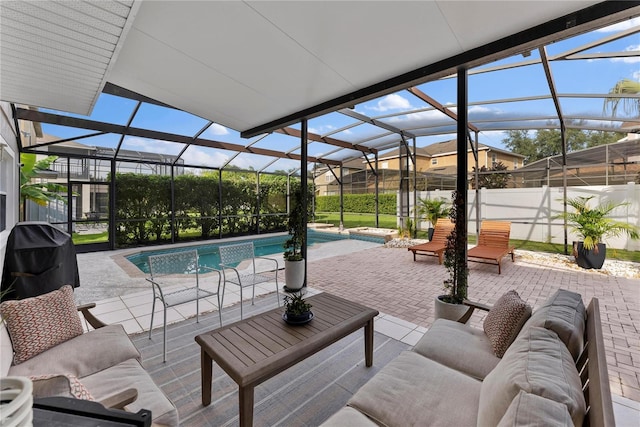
{"x": 617, "y": 163}
{"x": 435, "y": 166}
{"x": 87, "y": 167}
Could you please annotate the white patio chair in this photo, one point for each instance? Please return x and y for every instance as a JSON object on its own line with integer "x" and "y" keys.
{"x": 184, "y": 269}
{"x": 231, "y": 256}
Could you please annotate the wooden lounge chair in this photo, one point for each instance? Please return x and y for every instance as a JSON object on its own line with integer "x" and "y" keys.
{"x": 493, "y": 243}
{"x": 437, "y": 245}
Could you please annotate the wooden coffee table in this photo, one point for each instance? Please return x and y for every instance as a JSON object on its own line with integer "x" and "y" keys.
{"x": 255, "y": 349}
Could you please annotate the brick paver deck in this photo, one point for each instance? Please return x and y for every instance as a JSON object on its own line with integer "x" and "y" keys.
{"x": 389, "y": 280}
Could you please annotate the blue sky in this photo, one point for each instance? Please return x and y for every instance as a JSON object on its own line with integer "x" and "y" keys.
{"x": 596, "y": 76}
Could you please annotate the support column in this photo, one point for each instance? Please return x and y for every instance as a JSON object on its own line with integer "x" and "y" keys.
{"x": 342, "y": 196}
{"x": 173, "y": 207}
{"x": 303, "y": 188}
{"x": 461, "y": 178}
{"x": 377, "y": 192}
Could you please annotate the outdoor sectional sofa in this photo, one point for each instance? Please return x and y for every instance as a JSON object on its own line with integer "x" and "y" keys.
{"x": 101, "y": 364}
{"x": 553, "y": 373}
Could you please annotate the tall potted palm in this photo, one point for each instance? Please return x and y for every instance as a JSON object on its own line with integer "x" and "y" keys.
{"x": 593, "y": 225}
{"x": 293, "y": 262}
{"x": 450, "y": 305}
{"x": 432, "y": 210}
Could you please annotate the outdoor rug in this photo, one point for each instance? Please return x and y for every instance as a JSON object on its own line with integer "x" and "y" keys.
{"x": 304, "y": 395}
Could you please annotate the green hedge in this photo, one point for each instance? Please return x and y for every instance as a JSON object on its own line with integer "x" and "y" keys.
{"x": 360, "y": 203}
{"x": 144, "y": 211}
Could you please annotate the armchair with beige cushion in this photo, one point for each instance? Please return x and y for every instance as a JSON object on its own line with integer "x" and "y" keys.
{"x": 42, "y": 338}
{"x": 550, "y": 371}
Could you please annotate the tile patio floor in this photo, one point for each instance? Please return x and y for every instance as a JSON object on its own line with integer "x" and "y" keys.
{"x": 403, "y": 291}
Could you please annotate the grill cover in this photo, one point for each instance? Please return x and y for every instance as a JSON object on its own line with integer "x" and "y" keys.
{"x": 39, "y": 259}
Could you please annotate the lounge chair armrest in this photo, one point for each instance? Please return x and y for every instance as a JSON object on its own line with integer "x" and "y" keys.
{"x": 120, "y": 399}
{"x": 93, "y": 321}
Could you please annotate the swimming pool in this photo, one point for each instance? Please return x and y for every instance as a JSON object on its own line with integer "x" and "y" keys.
{"x": 209, "y": 255}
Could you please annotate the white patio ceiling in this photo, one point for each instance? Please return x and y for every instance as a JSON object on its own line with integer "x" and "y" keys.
{"x": 238, "y": 63}
{"x": 246, "y": 64}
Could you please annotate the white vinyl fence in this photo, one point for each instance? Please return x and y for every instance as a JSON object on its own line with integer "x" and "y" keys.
{"x": 533, "y": 211}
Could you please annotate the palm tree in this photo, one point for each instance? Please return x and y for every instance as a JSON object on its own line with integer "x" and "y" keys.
{"x": 40, "y": 193}
{"x": 629, "y": 105}
{"x": 432, "y": 209}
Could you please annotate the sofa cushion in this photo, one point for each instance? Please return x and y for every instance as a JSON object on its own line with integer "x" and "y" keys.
{"x": 38, "y": 323}
{"x": 130, "y": 374}
{"x": 564, "y": 314}
{"x": 415, "y": 390}
{"x": 504, "y": 321}
{"x": 530, "y": 410}
{"x": 109, "y": 346}
{"x": 348, "y": 416}
{"x": 59, "y": 385}
{"x": 537, "y": 362}
{"x": 6, "y": 350}
{"x": 458, "y": 346}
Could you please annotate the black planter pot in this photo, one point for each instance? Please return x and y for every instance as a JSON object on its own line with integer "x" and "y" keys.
{"x": 299, "y": 319}
{"x": 589, "y": 258}
{"x": 430, "y": 233}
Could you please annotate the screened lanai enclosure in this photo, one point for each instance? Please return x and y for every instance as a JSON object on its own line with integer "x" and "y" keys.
{"x": 168, "y": 135}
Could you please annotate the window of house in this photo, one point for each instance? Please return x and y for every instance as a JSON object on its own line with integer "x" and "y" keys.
{"x": 327, "y": 177}
{"x": 515, "y": 163}
{"x": 494, "y": 158}
{"x": 385, "y": 165}
{"x": 434, "y": 161}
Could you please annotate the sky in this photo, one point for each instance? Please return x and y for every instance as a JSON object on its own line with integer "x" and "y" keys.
{"x": 401, "y": 109}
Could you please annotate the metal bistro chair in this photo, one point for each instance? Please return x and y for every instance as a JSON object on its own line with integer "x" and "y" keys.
{"x": 230, "y": 258}
{"x": 184, "y": 267}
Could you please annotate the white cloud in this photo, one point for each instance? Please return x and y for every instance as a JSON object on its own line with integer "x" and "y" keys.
{"x": 392, "y": 102}
{"x": 636, "y": 75}
{"x": 418, "y": 117}
{"x": 194, "y": 155}
{"x": 629, "y": 59}
{"x": 200, "y": 157}
{"x": 216, "y": 129}
{"x": 155, "y": 146}
{"x": 620, "y": 26}
{"x": 322, "y": 129}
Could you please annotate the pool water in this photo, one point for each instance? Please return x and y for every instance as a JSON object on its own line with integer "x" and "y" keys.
{"x": 209, "y": 255}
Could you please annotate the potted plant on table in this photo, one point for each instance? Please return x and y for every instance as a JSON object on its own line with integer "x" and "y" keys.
{"x": 451, "y": 305}
{"x": 296, "y": 310}
{"x": 294, "y": 265}
{"x": 432, "y": 210}
{"x": 593, "y": 225}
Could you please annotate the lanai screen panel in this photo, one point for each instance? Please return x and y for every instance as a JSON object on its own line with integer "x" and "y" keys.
{"x": 169, "y": 120}
{"x": 196, "y": 155}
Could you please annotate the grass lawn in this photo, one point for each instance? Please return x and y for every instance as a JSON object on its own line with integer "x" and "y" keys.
{"x": 80, "y": 239}
{"x": 352, "y": 220}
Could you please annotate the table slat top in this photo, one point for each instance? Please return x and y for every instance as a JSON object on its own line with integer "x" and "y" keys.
{"x": 256, "y": 348}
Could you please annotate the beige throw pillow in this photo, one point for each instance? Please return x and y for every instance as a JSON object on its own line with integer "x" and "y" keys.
{"x": 504, "y": 321}
{"x": 36, "y": 324}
